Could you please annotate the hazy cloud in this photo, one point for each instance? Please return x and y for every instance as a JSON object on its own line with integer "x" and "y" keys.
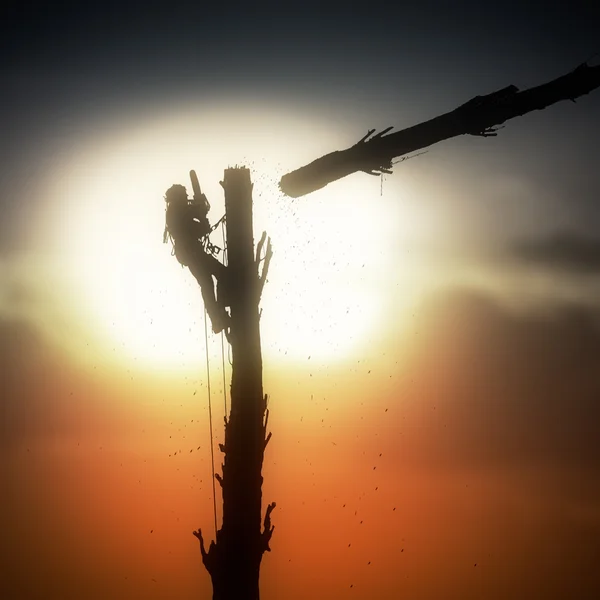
{"x": 43, "y": 395}
{"x": 564, "y": 251}
{"x": 510, "y": 389}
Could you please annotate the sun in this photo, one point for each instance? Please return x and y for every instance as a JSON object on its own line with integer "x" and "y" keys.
{"x": 324, "y": 290}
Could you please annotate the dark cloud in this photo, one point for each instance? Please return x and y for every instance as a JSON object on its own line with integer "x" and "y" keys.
{"x": 564, "y": 251}
{"x": 509, "y": 390}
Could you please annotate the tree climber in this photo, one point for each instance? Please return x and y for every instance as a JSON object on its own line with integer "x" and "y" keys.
{"x": 187, "y": 225}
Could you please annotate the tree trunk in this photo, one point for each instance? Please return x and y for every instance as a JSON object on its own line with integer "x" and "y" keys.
{"x": 477, "y": 117}
{"x": 233, "y": 562}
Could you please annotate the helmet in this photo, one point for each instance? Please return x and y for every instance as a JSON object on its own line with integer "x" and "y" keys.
{"x": 176, "y": 193}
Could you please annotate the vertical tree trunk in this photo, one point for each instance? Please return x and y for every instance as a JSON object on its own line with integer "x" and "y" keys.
{"x": 234, "y": 560}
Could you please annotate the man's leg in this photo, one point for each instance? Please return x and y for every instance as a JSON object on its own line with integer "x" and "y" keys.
{"x": 224, "y": 284}
{"x": 217, "y": 313}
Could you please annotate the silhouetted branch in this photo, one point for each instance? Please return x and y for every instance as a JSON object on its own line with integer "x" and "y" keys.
{"x": 208, "y": 558}
{"x": 479, "y": 116}
{"x": 259, "y": 247}
{"x": 268, "y": 528}
{"x": 265, "y": 269}
{"x": 198, "y": 534}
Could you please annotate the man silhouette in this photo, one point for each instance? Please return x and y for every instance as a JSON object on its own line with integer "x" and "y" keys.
{"x": 188, "y": 227}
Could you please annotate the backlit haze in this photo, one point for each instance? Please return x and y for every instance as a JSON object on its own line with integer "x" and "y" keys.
{"x": 431, "y": 339}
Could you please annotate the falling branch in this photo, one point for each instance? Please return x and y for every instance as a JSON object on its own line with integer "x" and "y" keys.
{"x": 480, "y": 116}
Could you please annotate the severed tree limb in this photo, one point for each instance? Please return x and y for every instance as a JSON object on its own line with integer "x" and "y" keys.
{"x": 480, "y": 116}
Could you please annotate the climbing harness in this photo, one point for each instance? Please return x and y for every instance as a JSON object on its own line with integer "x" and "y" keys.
{"x": 207, "y": 245}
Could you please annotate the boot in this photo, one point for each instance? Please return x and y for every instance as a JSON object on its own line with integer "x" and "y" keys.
{"x": 220, "y": 321}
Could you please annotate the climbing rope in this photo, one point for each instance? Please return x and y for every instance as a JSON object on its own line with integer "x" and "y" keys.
{"x": 210, "y": 248}
{"x": 208, "y": 245}
{"x": 212, "y": 451}
{"x": 223, "y": 369}
{"x": 222, "y": 221}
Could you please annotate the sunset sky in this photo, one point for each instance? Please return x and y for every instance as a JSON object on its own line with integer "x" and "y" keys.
{"x": 431, "y": 341}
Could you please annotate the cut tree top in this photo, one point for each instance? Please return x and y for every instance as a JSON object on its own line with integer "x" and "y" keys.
{"x": 479, "y": 116}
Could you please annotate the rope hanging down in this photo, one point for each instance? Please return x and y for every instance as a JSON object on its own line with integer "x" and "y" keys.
{"x": 212, "y": 452}
{"x": 222, "y": 221}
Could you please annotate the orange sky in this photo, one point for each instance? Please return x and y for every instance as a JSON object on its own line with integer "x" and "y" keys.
{"x": 394, "y": 479}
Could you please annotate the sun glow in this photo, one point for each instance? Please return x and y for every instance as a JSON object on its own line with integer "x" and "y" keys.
{"x": 331, "y": 251}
